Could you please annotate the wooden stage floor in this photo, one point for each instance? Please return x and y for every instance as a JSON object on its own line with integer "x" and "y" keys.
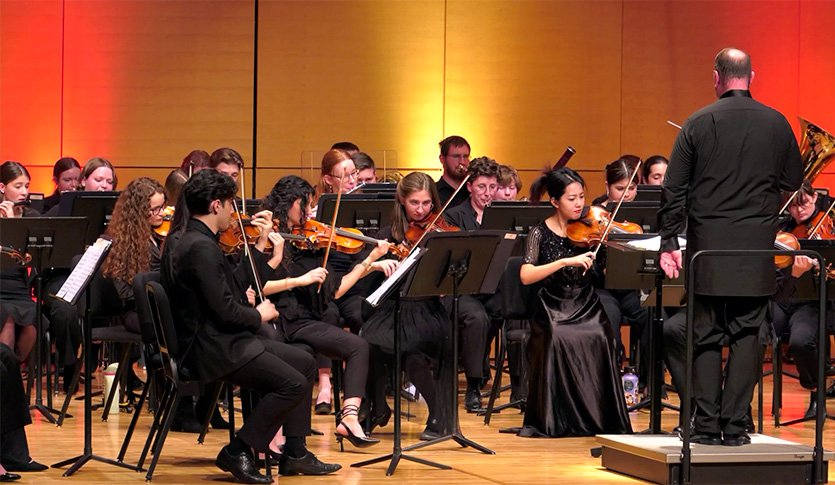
{"x": 517, "y": 460}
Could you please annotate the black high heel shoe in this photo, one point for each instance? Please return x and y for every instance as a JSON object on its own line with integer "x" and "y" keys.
{"x": 358, "y": 441}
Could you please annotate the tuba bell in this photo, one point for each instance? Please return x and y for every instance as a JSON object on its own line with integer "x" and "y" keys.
{"x": 817, "y": 149}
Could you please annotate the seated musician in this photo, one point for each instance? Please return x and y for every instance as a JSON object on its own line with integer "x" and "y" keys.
{"x": 423, "y": 322}
{"x": 65, "y": 174}
{"x": 653, "y": 170}
{"x": 97, "y": 175}
{"x": 476, "y": 312}
{"x": 621, "y": 305}
{"x": 454, "y": 157}
{"x": 575, "y": 384}
{"x": 509, "y": 183}
{"x": 347, "y": 147}
{"x": 195, "y": 161}
{"x": 14, "y": 417}
{"x": 367, "y": 171}
{"x": 227, "y": 161}
{"x": 302, "y": 289}
{"x": 217, "y": 331}
{"x": 17, "y": 310}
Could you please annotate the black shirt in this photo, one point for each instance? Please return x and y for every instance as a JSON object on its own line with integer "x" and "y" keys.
{"x": 445, "y": 191}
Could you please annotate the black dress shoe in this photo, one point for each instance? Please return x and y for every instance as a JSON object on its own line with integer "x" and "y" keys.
{"x": 9, "y": 477}
{"x": 186, "y": 425}
{"x": 472, "y": 401}
{"x": 812, "y": 411}
{"x": 240, "y": 466}
{"x": 218, "y": 422}
{"x": 711, "y": 439}
{"x": 32, "y": 466}
{"x": 306, "y": 465}
{"x": 322, "y": 408}
{"x": 736, "y": 439}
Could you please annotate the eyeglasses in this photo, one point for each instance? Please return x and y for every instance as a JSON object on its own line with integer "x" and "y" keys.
{"x": 352, "y": 175}
{"x": 156, "y": 210}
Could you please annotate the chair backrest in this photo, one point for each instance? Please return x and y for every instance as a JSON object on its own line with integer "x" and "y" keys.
{"x": 104, "y": 298}
{"x": 517, "y": 299}
{"x": 164, "y": 330}
{"x": 143, "y": 308}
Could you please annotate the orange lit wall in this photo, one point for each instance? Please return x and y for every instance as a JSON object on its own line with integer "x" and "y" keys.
{"x": 143, "y": 82}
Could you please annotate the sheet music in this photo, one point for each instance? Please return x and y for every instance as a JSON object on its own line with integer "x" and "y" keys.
{"x": 653, "y": 244}
{"x": 380, "y": 293}
{"x": 83, "y": 271}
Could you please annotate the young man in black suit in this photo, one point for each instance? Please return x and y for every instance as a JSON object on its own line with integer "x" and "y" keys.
{"x": 217, "y": 328}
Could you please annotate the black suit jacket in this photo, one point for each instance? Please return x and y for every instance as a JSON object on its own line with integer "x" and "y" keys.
{"x": 463, "y": 216}
{"x": 215, "y": 326}
{"x": 728, "y": 165}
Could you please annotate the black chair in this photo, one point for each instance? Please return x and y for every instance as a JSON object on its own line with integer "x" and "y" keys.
{"x": 517, "y": 305}
{"x": 104, "y": 310}
{"x": 177, "y": 382}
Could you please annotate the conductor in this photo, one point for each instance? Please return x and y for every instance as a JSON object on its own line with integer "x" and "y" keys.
{"x": 728, "y": 165}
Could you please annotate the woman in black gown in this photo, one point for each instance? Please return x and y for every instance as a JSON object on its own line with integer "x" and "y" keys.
{"x": 575, "y": 387}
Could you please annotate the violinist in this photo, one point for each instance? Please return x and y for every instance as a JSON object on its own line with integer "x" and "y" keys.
{"x": 65, "y": 174}
{"x": 622, "y": 305}
{"x": 217, "y": 330}
{"x": 17, "y": 310}
{"x": 195, "y": 161}
{"x": 301, "y": 289}
{"x": 653, "y": 170}
{"x": 571, "y": 343}
{"x": 476, "y": 312}
{"x": 423, "y": 322}
{"x": 367, "y": 171}
{"x": 228, "y": 162}
{"x": 454, "y": 157}
{"x": 807, "y": 210}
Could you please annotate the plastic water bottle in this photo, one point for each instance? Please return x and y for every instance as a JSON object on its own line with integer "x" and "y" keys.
{"x": 109, "y": 382}
{"x": 630, "y": 386}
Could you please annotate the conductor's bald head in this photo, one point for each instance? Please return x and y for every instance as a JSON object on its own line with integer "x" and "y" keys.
{"x": 731, "y": 70}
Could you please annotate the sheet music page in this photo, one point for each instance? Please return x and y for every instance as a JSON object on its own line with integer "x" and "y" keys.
{"x": 375, "y": 298}
{"x": 653, "y": 243}
{"x": 83, "y": 271}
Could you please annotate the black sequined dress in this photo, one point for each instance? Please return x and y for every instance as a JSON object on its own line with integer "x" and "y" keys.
{"x": 575, "y": 387}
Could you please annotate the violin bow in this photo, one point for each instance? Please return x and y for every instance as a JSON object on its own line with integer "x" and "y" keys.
{"x": 440, "y": 213}
{"x": 788, "y": 202}
{"x": 333, "y": 225}
{"x": 248, "y": 254}
{"x": 617, "y": 208}
{"x": 241, "y": 177}
{"x": 820, "y": 222}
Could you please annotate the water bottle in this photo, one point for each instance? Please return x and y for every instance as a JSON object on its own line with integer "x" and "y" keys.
{"x": 630, "y": 386}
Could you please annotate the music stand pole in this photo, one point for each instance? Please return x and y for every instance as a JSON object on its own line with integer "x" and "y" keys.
{"x": 397, "y": 451}
{"x": 39, "y": 243}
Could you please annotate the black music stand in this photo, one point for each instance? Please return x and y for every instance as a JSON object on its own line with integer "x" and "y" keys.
{"x": 643, "y": 213}
{"x": 366, "y": 212}
{"x": 37, "y": 236}
{"x": 629, "y": 269}
{"x": 376, "y": 188}
{"x": 458, "y": 264}
{"x": 97, "y": 207}
{"x": 649, "y": 193}
{"x": 397, "y": 451}
{"x": 514, "y": 215}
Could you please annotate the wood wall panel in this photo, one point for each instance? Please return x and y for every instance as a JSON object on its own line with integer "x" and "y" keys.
{"x": 369, "y": 72}
{"x": 30, "y": 86}
{"x": 147, "y": 82}
{"x": 526, "y": 79}
{"x": 668, "y": 61}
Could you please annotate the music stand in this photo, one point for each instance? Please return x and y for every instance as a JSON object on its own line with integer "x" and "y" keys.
{"x": 458, "y": 264}
{"x": 648, "y": 193}
{"x": 36, "y": 201}
{"x": 642, "y": 213}
{"x": 635, "y": 269}
{"x": 37, "y": 236}
{"x": 514, "y": 215}
{"x": 96, "y": 206}
{"x": 376, "y": 188}
{"x": 366, "y": 212}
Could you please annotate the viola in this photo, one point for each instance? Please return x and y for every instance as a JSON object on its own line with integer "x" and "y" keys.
{"x": 430, "y": 223}
{"x": 785, "y": 241}
{"x": 346, "y": 240}
{"x": 22, "y": 258}
{"x": 163, "y": 229}
{"x": 590, "y": 228}
{"x": 818, "y": 227}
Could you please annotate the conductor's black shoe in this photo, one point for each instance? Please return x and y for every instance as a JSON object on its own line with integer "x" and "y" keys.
{"x": 710, "y": 439}
{"x": 32, "y": 466}
{"x": 472, "y": 401}
{"x": 812, "y": 411}
{"x": 736, "y": 439}
{"x": 240, "y": 466}
{"x": 306, "y": 465}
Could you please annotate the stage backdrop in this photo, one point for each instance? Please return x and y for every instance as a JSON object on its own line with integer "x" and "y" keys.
{"x": 144, "y": 82}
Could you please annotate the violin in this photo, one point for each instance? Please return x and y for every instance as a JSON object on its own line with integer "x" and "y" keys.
{"x": 430, "y": 223}
{"x": 785, "y": 241}
{"x": 346, "y": 240}
{"x": 591, "y": 228}
{"x": 163, "y": 229}
{"x": 22, "y": 258}
{"x": 232, "y": 240}
{"x": 818, "y": 227}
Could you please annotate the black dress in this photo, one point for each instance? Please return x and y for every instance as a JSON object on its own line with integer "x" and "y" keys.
{"x": 575, "y": 387}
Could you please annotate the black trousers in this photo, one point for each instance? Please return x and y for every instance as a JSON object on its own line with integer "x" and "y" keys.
{"x": 474, "y": 324}
{"x": 350, "y": 308}
{"x": 800, "y": 321}
{"x": 625, "y": 305}
{"x": 65, "y": 325}
{"x": 283, "y": 375}
{"x": 724, "y": 408}
{"x": 14, "y": 410}
{"x": 334, "y": 343}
